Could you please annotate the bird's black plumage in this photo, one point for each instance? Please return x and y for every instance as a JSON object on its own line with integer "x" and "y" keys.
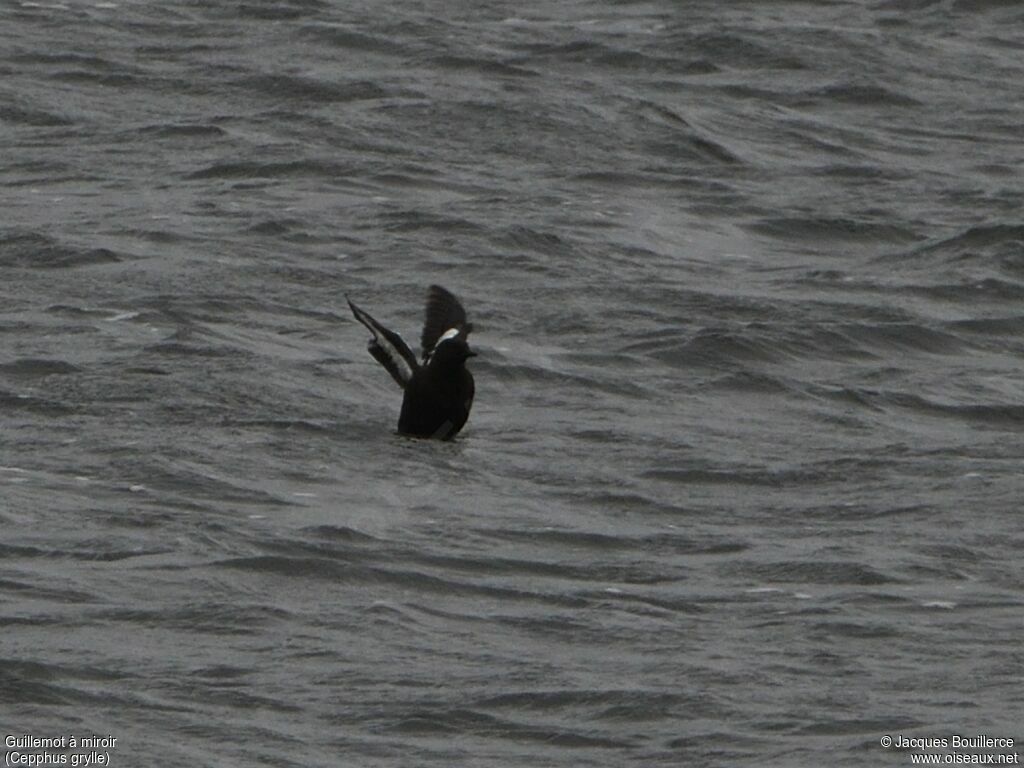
{"x": 439, "y": 391}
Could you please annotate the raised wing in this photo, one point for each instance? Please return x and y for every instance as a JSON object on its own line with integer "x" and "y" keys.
{"x": 388, "y": 348}
{"x": 444, "y": 314}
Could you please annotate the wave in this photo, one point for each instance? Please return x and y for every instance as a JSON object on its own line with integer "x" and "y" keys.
{"x": 312, "y": 90}
{"x": 860, "y": 94}
{"x": 35, "y": 250}
{"x": 759, "y": 343}
{"x": 24, "y": 114}
{"x": 819, "y": 229}
{"x": 262, "y": 169}
{"x": 36, "y": 367}
{"x": 811, "y": 572}
{"x": 347, "y": 38}
{"x": 969, "y": 242}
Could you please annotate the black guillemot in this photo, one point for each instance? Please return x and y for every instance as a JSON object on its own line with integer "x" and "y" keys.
{"x": 438, "y": 391}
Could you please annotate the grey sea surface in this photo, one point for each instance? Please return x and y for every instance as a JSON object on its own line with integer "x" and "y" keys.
{"x": 742, "y": 484}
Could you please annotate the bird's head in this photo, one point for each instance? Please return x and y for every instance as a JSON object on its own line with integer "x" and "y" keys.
{"x": 451, "y": 351}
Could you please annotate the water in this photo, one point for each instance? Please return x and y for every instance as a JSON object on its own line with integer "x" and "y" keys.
{"x": 741, "y": 484}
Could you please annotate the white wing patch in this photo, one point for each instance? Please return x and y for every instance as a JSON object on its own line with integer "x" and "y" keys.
{"x": 388, "y": 348}
{"x": 448, "y": 335}
{"x": 388, "y": 356}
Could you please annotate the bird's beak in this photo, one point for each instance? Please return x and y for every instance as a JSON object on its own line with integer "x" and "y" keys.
{"x": 470, "y": 353}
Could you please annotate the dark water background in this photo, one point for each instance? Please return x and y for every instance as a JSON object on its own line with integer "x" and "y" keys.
{"x": 742, "y": 484}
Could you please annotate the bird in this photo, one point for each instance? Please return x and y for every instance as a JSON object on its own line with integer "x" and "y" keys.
{"x": 439, "y": 389}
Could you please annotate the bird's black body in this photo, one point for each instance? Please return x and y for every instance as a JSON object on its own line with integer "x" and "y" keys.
{"x": 438, "y": 392}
